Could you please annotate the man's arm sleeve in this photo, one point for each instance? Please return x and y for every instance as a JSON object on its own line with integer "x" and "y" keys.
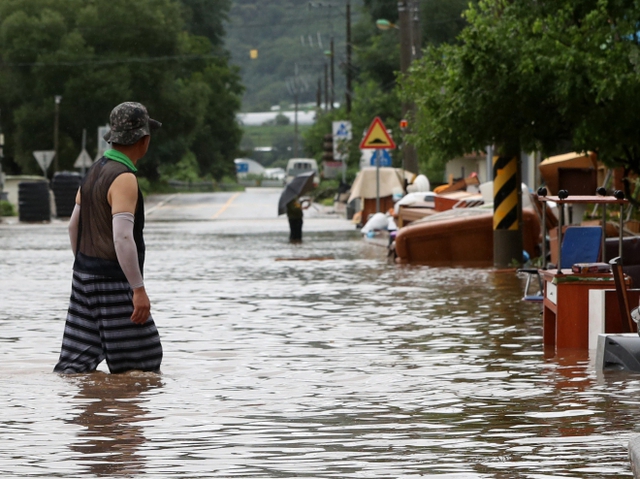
{"x": 126, "y": 250}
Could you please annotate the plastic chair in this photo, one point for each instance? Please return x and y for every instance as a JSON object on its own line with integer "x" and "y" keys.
{"x": 533, "y": 298}
{"x": 580, "y": 244}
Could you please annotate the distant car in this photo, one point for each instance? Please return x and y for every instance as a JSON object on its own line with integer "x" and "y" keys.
{"x": 246, "y": 166}
{"x": 275, "y": 173}
{"x": 296, "y": 166}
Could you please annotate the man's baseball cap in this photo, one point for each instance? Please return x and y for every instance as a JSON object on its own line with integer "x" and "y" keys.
{"x": 129, "y": 121}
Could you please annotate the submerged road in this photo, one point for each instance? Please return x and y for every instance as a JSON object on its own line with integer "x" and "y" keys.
{"x": 251, "y": 204}
{"x": 254, "y": 203}
{"x": 311, "y": 360}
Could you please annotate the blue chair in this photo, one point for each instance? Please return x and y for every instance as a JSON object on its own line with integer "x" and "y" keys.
{"x": 580, "y": 244}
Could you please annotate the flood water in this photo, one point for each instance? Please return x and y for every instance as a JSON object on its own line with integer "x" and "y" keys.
{"x": 319, "y": 360}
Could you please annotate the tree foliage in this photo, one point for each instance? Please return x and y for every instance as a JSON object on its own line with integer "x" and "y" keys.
{"x": 291, "y": 38}
{"x": 98, "y": 54}
{"x": 376, "y": 66}
{"x": 542, "y": 75}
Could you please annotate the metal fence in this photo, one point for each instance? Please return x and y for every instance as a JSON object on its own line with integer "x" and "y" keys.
{"x": 204, "y": 186}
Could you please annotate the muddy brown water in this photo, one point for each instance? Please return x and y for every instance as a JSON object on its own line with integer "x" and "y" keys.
{"x": 344, "y": 367}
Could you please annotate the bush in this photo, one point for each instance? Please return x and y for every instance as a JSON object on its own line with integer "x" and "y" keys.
{"x": 145, "y": 185}
{"x": 184, "y": 170}
{"x": 327, "y": 189}
{"x": 6, "y": 209}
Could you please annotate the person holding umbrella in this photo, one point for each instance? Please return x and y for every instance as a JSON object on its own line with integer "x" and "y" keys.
{"x": 291, "y": 205}
{"x": 294, "y": 214}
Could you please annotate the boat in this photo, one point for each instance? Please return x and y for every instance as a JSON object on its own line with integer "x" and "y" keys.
{"x": 459, "y": 237}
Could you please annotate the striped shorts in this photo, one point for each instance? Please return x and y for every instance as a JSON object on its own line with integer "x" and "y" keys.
{"x": 99, "y": 327}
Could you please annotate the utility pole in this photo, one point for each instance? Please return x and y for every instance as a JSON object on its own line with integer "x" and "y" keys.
{"x": 407, "y": 48}
{"x": 329, "y": 71}
{"x": 406, "y": 40}
{"x": 332, "y": 74}
{"x": 295, "y": 98}
{"x": 295, "y": 85}
{"x": 84, "y": 146}
{"x": 326, "y": 86}
{"x": 56, "y": 164}
{"x": 295, "y": 130}
{"x": 2, "y": 197}
{"x": 348, "y": 72}
{"x": 416, "y": 32}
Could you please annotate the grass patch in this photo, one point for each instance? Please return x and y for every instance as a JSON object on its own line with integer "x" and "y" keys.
{"x": 326, "y": 191}
{"x": 6, "y": 208}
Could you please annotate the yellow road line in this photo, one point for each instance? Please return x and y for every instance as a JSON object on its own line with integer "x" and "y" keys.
{"x": 225, "y": 206}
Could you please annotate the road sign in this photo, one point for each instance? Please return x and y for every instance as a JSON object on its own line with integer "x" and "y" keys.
{"x": 341, "y": 136}
{"x": 83, "y": 160}
{"x": 341, "y": 130}
{"x": 383, "y": 156}
{"x": 44, "y": 159}
{"x": 102, "y": 143}
{"x": 377, "y": 137}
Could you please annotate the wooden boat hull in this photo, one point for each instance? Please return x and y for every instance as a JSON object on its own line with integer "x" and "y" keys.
{"x": 459, "y": 241}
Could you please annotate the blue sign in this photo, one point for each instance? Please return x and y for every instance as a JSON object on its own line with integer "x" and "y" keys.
{"x": 384, "y": 155}
{"x": 341, "y": 130}
{"x": 242, "y": 167}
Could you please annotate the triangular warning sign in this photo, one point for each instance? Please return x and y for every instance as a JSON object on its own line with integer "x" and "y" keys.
{"x": 377, "y": 137}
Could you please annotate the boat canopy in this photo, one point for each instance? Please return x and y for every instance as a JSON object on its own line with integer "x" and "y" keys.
{"x": 391, "y": 179}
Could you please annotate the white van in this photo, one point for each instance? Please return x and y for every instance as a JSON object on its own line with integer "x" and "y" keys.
{"x": 295, "y": 166}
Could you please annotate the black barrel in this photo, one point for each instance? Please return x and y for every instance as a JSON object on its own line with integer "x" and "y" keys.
{"x": 65, "y": 186}
{"x": 33, "y": 201}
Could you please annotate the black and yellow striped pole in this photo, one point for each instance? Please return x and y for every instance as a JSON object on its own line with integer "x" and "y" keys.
{"x": 507, "y": 212}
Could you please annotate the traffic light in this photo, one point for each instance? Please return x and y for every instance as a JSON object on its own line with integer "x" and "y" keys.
{"x": 327, "y": 147}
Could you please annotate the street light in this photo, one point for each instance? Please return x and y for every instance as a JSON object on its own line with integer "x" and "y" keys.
{"x": 383, "y": 24}
{"x": 58, "y": 99}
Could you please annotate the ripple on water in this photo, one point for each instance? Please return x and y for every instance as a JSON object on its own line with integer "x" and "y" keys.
{"x": 275, "y": 367}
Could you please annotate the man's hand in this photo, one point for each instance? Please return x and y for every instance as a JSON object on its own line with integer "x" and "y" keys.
{"x": 141, "y": 306}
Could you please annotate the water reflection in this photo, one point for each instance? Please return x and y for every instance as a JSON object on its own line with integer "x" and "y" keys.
{"x": 320, "y": 360}
{"x": 111, "y": 410}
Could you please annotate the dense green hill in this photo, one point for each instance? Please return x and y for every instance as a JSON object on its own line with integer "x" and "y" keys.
{"x": 291, "y": 37}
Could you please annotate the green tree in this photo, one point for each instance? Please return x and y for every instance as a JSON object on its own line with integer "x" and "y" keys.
{"x": 535, "y": 75}
{"x": 206, "y": 18}
{"x": 376, "y": 67}
{"x": 98, "y": 54}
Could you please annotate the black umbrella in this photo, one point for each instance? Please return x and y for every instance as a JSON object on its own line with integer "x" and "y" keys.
{"x": 298, "y": 186}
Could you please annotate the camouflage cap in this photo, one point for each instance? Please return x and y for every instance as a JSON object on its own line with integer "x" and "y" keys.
{"x": 129, "y": 122}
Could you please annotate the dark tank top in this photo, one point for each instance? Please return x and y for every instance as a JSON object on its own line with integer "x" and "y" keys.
{"x": 96, "y": 252}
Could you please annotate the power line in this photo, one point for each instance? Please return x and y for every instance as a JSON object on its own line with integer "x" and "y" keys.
{"x": 114, "y": 60}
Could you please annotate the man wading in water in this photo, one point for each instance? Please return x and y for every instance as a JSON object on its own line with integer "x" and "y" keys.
{"x": 109, "y": 311}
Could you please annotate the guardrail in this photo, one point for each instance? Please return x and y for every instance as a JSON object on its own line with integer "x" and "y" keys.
{"x": 215, "y": 186}
{"x": 203, "y": 186}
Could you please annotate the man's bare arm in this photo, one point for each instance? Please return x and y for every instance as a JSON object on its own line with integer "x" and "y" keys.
{"x": 123, "y": 194}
